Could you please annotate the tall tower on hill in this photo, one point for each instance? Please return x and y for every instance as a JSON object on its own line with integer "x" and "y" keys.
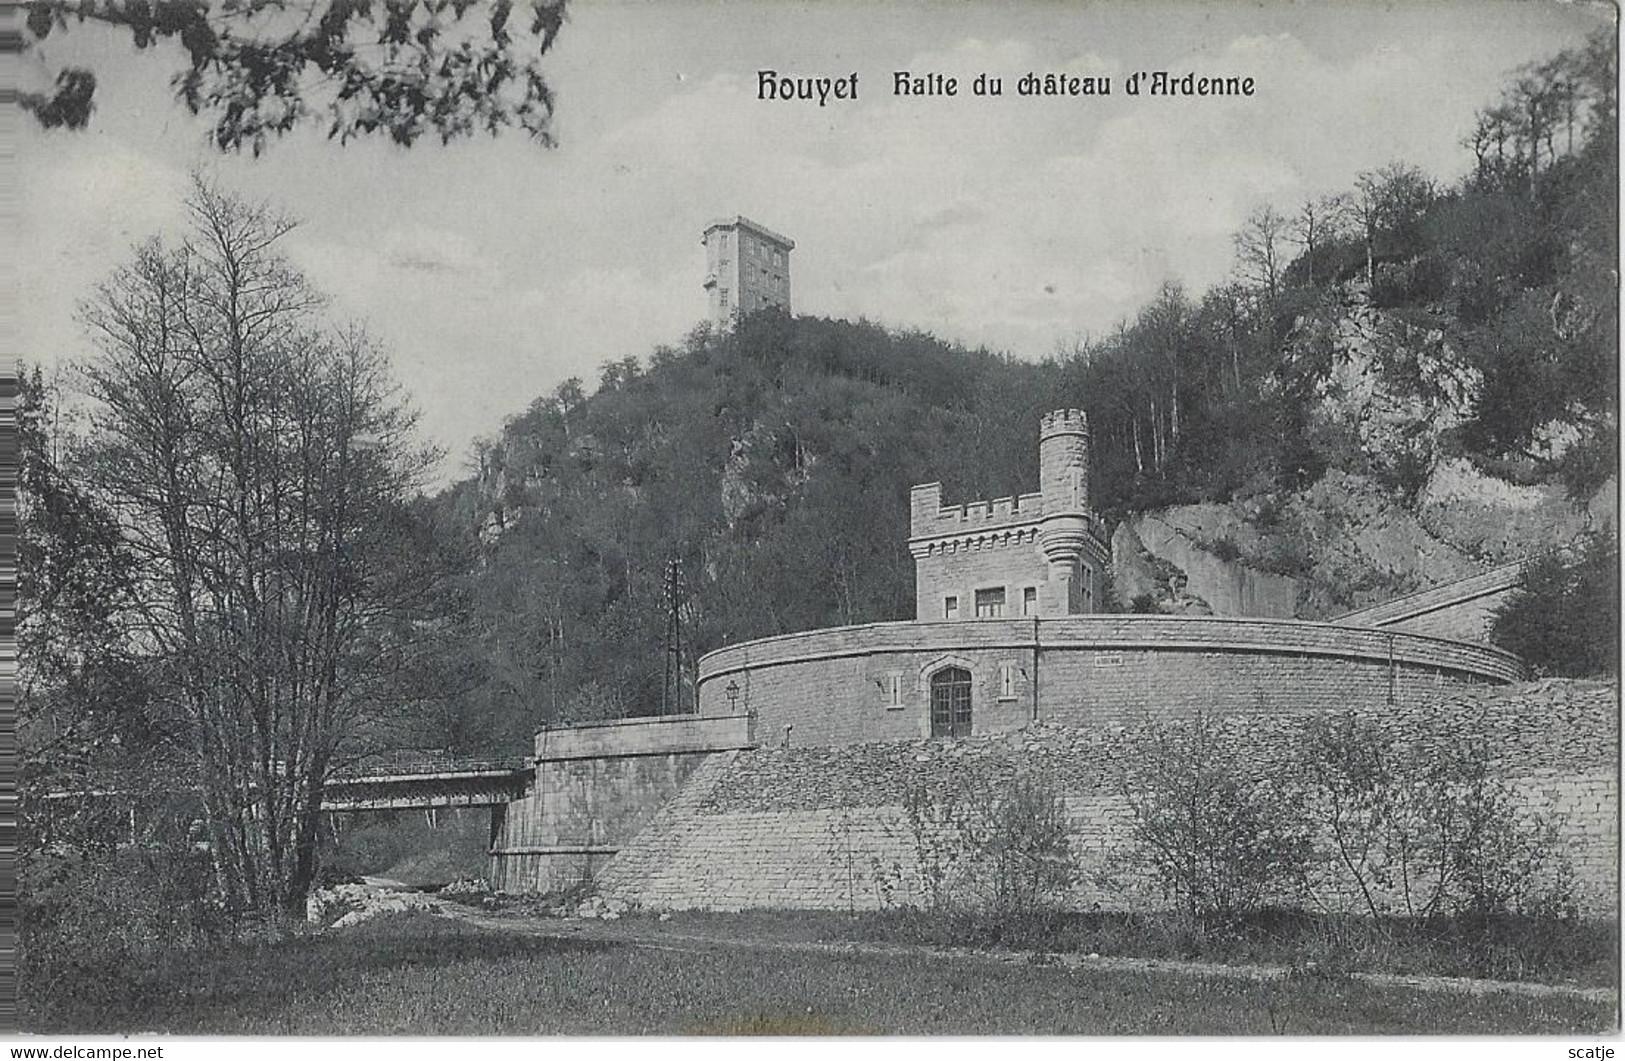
{"x": 747, "y": 268}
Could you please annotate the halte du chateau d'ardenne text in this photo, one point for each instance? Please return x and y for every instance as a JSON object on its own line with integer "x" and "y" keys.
{"x": 772, "y": 85}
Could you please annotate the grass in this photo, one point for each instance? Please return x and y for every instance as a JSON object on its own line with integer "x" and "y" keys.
{"x": 1579, "y": 953}
{"x": 424, "y": 975}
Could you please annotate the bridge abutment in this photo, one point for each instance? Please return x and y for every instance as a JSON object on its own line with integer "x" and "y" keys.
{"x": 595, "y": 786}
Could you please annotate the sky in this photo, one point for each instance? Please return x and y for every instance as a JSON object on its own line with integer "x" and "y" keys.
{"x": 492, "y": 270}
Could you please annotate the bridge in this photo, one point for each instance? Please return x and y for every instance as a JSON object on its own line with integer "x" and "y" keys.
{"x": 430, "y": 784}
{"x": 403, "y": 785}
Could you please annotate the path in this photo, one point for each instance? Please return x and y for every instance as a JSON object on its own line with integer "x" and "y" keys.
{"x": 646, "y": 932}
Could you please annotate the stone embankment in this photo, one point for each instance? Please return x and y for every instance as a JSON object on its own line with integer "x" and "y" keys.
{"x": 831, "y": 828}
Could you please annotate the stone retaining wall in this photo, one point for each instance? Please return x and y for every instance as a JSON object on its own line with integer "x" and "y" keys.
{"x": 1464, "y": 609}
{"x": 828, "y": 827}
{"x": 595, "y": 787}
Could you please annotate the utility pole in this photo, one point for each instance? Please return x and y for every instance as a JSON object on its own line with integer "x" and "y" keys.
{"x": 671, "y": 686}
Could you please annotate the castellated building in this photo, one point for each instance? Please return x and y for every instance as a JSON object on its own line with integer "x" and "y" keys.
{"x": 1030, "y": 555}
{"x": 747, "y": 268}
{"x": 1009, "y": 630}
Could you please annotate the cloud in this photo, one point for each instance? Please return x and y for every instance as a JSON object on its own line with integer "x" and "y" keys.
{"x": 83, "y": 206}
{"x": 495, "y": 269}
{"x": 434, "y": 250}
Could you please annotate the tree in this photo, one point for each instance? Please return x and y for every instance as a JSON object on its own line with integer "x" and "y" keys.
{"x": 1534, "y": 125}
{"x": 1386, "y": 209}
{"x": 259, "y": 68}
{"x": 1314, "y": 226}
{"x": 83, "y": 703}
{"x": 1565, "y": 619}
{"x": 1259, "y": 249}
{"x": 1348, "y": 769}
{"x": 256, "y": 463}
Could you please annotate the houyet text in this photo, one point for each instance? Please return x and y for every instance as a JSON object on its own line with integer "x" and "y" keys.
{"x": 770, "y": 85}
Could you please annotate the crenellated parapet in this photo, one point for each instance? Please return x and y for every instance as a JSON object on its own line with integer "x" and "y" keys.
{"x": 1039, "y": 553}
{"x": 929, "y": 519}
{"x": 1063, "y": 421}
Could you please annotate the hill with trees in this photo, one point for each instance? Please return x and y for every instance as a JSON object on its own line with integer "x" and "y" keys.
{"x": 1399, "y": 384}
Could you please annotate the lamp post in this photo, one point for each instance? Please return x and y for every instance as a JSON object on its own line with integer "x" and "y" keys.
{"x": 732, "y": 692}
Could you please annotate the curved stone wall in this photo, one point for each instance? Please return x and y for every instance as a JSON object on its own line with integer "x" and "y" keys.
{"x": 854, "y": 684}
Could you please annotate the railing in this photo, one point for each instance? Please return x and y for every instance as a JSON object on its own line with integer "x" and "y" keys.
{"x": 431, "y": 768}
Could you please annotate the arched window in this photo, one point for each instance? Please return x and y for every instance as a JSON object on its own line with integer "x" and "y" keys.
{"x": 950, "y": 702}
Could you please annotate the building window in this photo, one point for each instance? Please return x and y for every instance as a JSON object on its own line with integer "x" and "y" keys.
{"x": 894, "y": 691}
{"x": 722, "y": 296}
{"x": 1029, "y": 600}
{"x": 950, "y": 703}
{"x": 950, "y": 607}
{"x": 990, "y": 603}
{"x": 1007, "y": 681}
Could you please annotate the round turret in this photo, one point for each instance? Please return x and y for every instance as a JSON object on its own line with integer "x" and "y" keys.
{"x": 1063, "y": 461}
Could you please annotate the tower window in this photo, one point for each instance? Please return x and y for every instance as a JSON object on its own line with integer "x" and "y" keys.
{"x": 950, "y": 607}
{"x": 990, "y": 603}
{"x": 1029, "y": 600}
{"x": 722, "y": 297}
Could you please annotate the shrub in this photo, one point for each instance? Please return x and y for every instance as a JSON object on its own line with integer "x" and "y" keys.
{"x": 1219, "y": 835}
{"x": 1429, "y": 829}
{"x": 1485, "y": 857}
{"x": 89, "y": 920}
{"x": 1001, "y": 848}
{"x": 1347, "y": 769}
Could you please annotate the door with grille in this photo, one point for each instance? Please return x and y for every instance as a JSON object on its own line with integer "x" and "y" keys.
{"x": 950, "y": 702}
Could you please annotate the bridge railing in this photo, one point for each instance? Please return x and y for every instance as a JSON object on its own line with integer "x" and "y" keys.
{"x": 421, "y": 767}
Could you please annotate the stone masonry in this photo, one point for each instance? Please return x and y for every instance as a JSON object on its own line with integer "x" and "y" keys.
{"x": 827, "y": 827}
{"x": 1034, "y": 554}
{"x": 857, "y": 684}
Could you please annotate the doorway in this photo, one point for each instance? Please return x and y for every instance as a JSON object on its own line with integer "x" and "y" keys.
{"x": 950, "y": 703}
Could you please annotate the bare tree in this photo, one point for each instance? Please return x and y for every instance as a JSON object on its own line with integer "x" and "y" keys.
{"x": 1162, "y": 332}
{"x": 1315, "y": 223}
{"x": 1517, "y": 139}
{"x": 256, "y": 462}
{"x": 1259, "y": 247}
{"x": 1537, "y": 106}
